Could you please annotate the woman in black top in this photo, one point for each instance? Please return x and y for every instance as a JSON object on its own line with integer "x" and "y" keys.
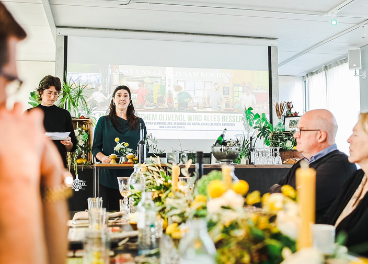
{"x": 56, "y": 119}
{"x": 349, "y": 212}
{"x": 121, "y": 123}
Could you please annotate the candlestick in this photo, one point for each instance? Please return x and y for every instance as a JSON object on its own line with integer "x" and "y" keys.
{"x": 306, "y": 189}
{"x": 175, "y": 176}
{"x": 226, "y": 175}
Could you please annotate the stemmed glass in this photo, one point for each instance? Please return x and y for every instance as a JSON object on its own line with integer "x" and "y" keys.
{"x": 124, "y": 191}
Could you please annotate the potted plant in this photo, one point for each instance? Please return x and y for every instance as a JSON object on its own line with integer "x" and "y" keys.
{"x": 73, "y": 99}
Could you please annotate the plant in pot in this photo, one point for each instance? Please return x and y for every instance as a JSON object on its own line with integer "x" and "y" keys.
{"x": 73, "y": 98}
{"x": 258, "y": 127}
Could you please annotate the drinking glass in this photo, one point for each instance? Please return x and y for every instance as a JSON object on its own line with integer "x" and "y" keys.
{"x": 96, "y": 246}
{"x": 95, "y": 202}
{"x": 97, "y": 218}
{"x": 124, "y": 191}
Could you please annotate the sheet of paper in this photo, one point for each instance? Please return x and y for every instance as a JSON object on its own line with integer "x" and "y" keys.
{"x": 57, "y": 135}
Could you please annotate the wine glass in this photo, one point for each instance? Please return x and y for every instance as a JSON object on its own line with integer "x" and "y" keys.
{"x": 124, "y": 191}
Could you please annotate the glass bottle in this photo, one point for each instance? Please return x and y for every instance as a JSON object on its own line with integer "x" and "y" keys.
{"x": 141, "y": 146}
{"x": 199, "y": 165}
{"x": 197, "y": 246}
{"x": 147, "y": 237}
{"x": 136, "y": 182}
{"x": 220, "y": 139}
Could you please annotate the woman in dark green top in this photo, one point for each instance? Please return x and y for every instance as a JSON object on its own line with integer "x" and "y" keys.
{"x": 121, "y": 123}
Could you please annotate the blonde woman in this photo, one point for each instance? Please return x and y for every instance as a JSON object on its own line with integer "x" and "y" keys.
{"x": 349, "y": 212}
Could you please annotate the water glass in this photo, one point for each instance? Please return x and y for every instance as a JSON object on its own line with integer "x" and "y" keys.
{"x": 324, "y": 238}
{"x": 124, "y": 191}
{"x": 96, "y": 246}
{"x": 95, "y": 202}
{"x": 97, "y": 218}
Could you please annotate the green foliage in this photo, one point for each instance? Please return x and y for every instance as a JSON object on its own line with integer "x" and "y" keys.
{"x": 282, "y": 140}
{"x": 33, "y": 97}
{"x": 73, "y": 98}
{"x": 201, "y": 187}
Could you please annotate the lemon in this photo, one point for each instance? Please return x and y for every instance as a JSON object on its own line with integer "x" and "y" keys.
{"x": 288, "y": 191}
{"x": 176, "y": 234}
{"x": 79, "y": 161}
{"x": 216, "y": 188}
{"x": 200, "y": 198}
{"x": 164, "y": 225}
{"x": 254, "y": 197}
{"x": 240, "y": 187}
{"x": 171, "y": 228}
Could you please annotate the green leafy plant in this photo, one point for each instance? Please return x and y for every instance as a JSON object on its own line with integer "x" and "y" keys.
{"x": 73, "y": 98}
{"x": 259, "y": 123}
{"x": 33, "y": 97}
{"x": 282, "y": 140}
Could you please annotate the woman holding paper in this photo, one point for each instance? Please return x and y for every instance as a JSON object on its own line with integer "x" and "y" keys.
{"x": 349, "y": 212}
{"x": 56, "y": 119}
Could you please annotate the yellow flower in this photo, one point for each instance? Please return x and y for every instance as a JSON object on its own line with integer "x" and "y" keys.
{"x": 240, "y": 187}
{"x": 288, "y": 191}
{"x": 200, "y": 198}
{"x": 254, "y": 197}
{"x": 263, "y": 222}
{"x": 265, "y": 199}
{"x": 216, "y": 188}
{"x": 126, "y": 144}
{"x": 294, "y": 148}
{"x": 117, "y": 140}
{"x": 176, "y": 234}
{"x": 171, "y": 228}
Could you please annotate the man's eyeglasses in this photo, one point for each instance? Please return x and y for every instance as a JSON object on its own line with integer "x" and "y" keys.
{"x": 12, "y": 78}
{"x": 300, "y": 130}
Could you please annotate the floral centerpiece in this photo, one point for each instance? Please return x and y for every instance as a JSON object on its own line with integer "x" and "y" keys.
{"x": 79, "y": 156}
{"x": 126, "y": 152}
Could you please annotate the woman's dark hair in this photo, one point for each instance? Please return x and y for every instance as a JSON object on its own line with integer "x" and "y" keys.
{"x": 133, "y": 120}
{"x": 46, "y": 83}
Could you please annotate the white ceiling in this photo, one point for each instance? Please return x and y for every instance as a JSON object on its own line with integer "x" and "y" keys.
{"x": 297, "y": 24}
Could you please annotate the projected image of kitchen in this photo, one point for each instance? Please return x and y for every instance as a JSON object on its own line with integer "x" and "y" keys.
{"x": 172, "y": 99}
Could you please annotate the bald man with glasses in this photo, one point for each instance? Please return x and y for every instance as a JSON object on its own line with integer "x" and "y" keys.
{"x": 315, "y": 137}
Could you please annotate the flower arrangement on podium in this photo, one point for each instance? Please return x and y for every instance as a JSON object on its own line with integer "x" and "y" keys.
{"x": 127, "y": 155}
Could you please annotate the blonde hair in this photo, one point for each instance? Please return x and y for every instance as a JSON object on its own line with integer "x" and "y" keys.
{"x": 363, "y": 121}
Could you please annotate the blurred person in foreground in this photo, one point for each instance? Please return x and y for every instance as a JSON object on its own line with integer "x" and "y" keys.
{"x": 315, "y": 137}
{"x": 349, "y": 211}
{"x": 56, "y": 119}
{"x": 33, "y": 211}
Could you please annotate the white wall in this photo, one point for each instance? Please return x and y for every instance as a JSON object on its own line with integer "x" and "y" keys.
{"x": 364, "y": 82}
{"x": 35, "y": 54}
{"x": 31, "y": 72}
{"x": 291, "y": 88}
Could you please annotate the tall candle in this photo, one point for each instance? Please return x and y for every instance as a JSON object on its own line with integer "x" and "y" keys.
{"x": 226, "y": 174}
{"x": 175, "y": 176}
{"x": 306, "y": 189}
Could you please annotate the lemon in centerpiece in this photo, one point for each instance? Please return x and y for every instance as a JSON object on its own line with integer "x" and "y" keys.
{"x": 240, "y": 187}
{"x": 216, "y": 188}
